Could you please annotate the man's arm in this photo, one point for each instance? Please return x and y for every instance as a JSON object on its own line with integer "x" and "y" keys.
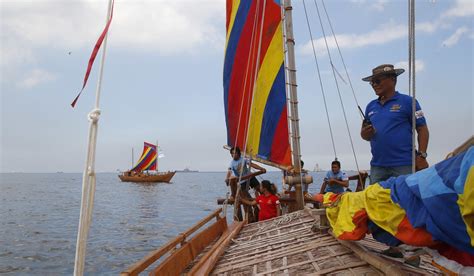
{"x": 423, "y": 138}
{"x": 323, "y": 187}
{"x": 257, "y": 167}
{"x": 343, "y": 183}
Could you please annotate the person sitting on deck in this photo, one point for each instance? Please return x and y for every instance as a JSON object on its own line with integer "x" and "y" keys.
{"x": 239, "y": 169}
{"x": 335, "y": 180}
{"x": 267, "y": 202}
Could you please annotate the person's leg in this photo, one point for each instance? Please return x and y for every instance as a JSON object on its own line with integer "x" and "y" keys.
{"x": 378, "y": 174}
{"x": 401, "y": 170}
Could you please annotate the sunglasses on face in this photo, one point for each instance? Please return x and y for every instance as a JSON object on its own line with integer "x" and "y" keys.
{"x": 376, "y": 81}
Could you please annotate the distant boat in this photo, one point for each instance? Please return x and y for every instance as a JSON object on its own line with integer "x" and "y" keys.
{"x": 317, "y": 168}
{"x": 146, "y": 169}
{"x": 187, "y": 170}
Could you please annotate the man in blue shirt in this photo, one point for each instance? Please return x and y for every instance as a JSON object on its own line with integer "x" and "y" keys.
{"x": 239, "y": 169}
{"x": 335, "y": 180}
{"x": 388, "y": 127}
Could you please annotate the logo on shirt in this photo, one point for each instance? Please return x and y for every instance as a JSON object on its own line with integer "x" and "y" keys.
{"x": 371, "y": 113}
{"x": 395, "y": 108}
{"x": 419, "y": 114}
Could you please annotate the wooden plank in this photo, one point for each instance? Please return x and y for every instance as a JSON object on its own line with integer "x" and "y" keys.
{"x": 176, "y": 263}
{"x": 325, "y": 271}
{"x": 206, "y": 264}
{"x": 204, "y": 238}
{"x": 149, "y": 259}
{"x": 181, "y": 258}
{"x": 343, "y": 267}
{"x": 380, "y": 263}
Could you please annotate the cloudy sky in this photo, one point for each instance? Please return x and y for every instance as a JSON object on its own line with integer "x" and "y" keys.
{"x": 163, "y": 79}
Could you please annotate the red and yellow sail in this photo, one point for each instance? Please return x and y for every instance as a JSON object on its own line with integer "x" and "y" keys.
{"x": 147, "y": 161}
{"x": 254, "y": 80}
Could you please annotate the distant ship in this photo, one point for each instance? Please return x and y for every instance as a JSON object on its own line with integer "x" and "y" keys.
{"x": 187, "y": 170}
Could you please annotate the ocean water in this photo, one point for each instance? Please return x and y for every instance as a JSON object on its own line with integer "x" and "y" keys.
{"x": 39, "y": 216}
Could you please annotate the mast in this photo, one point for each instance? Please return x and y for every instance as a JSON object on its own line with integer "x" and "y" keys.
{"x": 411, "y": 76}
{"x": 295, "y": 129}
{"x": 132, "y": 158}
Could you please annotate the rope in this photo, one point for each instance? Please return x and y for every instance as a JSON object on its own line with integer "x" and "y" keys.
{"x": 411, "y": 72}
{"x": 89, "y": 176}
{"x": 350, "y": 84}
{"x": 320, "y": 79}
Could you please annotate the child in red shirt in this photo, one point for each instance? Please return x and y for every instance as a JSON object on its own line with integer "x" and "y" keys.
{"x": 267, "y": 201}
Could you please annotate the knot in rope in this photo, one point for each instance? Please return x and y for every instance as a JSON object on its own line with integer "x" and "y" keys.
{"x": 94, "y": 115}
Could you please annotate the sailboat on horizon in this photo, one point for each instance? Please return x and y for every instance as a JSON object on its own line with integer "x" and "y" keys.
{"x": 146, "y": 169}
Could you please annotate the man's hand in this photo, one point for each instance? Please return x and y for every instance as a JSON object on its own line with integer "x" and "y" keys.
{"x": 367, "y": 132}
{"x": 420, "y": 163}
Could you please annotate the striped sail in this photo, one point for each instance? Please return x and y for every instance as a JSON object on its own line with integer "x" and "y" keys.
{"x": 147, "y": 161}
{"x": 254, "y": 81}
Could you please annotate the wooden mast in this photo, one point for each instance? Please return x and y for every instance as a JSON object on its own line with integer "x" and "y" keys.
{"x": 295, "y": 129}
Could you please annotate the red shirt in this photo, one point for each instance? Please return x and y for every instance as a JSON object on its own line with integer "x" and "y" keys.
{"x": 268, "y": 206}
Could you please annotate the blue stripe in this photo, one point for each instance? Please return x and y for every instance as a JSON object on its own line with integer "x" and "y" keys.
{"x": 151, "y": 165}
{"x": 449, "y": 170}
{"x": 239, "y": 22}
{"x": 275, "y": 105}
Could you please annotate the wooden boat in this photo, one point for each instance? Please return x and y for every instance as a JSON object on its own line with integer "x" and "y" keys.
{"x": 146, "y": 169}
{"x": 130, "y": 176}
{"x": 297, "y": 243}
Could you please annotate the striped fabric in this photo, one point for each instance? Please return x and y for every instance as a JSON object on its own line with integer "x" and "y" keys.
{"x": 254, "y": 80}
{"x": 147, "y": 161}
{"x": 433, "y": 207}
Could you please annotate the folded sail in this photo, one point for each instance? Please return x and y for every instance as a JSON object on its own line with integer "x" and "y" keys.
{"x": 254, "y": 81}
{"x": 147, "y": 161}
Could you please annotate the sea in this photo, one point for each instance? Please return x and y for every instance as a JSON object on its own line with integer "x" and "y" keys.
{"x": 39, "y": 216}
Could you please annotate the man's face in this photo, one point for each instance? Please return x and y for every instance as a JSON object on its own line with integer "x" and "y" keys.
{"x": 382, "y": 85}
{"x": 235, "y": 155}
{"x": 335, "y": 168}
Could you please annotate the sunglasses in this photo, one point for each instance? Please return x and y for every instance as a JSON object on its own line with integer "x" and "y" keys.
{"x": 376, "y": 81}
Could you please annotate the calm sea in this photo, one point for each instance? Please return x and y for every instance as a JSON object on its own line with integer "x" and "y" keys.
{"x": 39, "y": 215}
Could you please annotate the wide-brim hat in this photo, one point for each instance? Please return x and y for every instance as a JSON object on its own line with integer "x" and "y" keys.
{"x": 384, "y": 69}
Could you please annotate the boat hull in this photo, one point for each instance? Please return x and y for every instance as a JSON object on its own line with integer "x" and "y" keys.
{"x": 147, "y": 178}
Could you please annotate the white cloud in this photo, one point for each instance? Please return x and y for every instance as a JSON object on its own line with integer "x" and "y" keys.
{"x": 384, "y": 34}
{"x": 454, "y": 38}
{"x": 36, "y": 77}
{"x": 164, "y": 27}
{"x": 379, "y": 5}
{"x": 462, "y": 8}
{"x": 419, "y": 65}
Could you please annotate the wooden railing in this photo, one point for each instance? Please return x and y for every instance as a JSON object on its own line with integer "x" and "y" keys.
{"x": 192, "y": 247}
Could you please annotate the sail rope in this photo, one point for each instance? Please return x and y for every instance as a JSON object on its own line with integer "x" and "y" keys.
{"x": 348, "y": 77}
{"x": 411, "y": 73}
{"x": 320, "y": 80}
{"x": 89, "y": 176}
{"x": 248, "y": 112}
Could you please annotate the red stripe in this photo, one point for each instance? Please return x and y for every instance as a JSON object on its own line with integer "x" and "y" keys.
{"x": 94, "y": 54}
{"x": 243, "y": 73}
{"x": 238, "y": 94}
{"x": 281, "y": 152}
{"x": 228, "y": 13}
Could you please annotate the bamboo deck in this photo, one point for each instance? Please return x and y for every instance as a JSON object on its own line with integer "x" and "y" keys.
{"x": 288, "y": 246}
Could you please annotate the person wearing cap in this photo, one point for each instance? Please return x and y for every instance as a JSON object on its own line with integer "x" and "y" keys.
{"x": 388, "y": 127}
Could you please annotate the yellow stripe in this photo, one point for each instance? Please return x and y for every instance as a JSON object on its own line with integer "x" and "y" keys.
{"x": 381, "y": 209}
{"x": 466, "y": 204}
{"x": 151, "y": 161}
{"x": 143, "y": 156}
{"x": 340, "y": 216}
{"x": 235, "y": 7}
{"x": 266, "y": 76}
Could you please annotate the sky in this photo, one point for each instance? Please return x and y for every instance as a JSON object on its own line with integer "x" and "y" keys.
{"x": 162, "y": 79}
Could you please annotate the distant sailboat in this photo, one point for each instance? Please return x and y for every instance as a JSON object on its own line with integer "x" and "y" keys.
{"x": 146, "y": 169}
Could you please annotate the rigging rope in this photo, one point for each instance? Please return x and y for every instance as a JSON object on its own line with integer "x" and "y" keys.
{"x": 347, "y": 74}
{"x": 320, "y": 79}
{"x": 411, "y": 72}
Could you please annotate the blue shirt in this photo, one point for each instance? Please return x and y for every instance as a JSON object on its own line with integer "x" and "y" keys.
{"x": 236, "y": 167}
{"x": 391, "y": 144}
{"x": 335, "y": 188}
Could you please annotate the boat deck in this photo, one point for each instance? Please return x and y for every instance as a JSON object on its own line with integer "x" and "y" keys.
{"x": 287, "y": 246}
